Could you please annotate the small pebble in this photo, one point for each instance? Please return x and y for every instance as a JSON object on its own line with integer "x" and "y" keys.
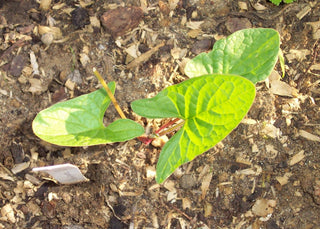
{"x": 188, "y": 181}
{"x": 66, "y": 198}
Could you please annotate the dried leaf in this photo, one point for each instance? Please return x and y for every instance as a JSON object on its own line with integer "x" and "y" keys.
{"x": 298, "y": 55}
{"x": 283, "y": 89}
{"x": 55, "y": 31}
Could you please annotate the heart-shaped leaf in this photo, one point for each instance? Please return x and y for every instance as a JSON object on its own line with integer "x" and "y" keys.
{"x": 79, "y": 122}
{"x": 211, "y": 106}
{"x": 251, "y": 53}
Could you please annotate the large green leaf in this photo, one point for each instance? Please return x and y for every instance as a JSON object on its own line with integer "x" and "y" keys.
{"x": 79, "y": 122}
{"x": 211, "y": 106}
{"x": 251, "y": 53}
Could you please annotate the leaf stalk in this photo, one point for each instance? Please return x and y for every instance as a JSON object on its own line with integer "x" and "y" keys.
{"x": 113, "y": 99}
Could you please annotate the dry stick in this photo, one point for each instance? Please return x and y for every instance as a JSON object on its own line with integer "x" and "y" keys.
{"x": 113, "y": 99}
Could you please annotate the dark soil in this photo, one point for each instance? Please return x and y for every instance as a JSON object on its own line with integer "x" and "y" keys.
{"x": 265, "y": 174}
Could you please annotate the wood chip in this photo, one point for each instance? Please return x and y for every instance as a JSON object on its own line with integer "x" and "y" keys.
{"x": 284, "y": 179}
{"x": 8, "y": 213}
{"x": 315, "y": 29}
{"x": 208, "y": 208}
{"x": 94, "y": 21}
{"x": 45, "y": 4}
{"x": 297, "y": 158}
{"x": 169, "y": 185}
{"x": 20, "y": 167}
{"x": 271, "y": 131}
{"x": 150, "y": 172}
{"x": 259, "y": 7}
{"x": 309, "y": 136}
{"x": 302, "y": 13}
{"x": 243, "y": 6}
{"x": 186, "y": 203}
{"x": 194, "y": 24}
{"x": 205, "y": 185}
{"x": 315, "y": 67}
{"x": 263, "y": 207}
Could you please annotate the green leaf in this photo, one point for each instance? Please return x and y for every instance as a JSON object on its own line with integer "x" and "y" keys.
{"x": 211, "y": 105}
{"x": 288, "y": 1}
{"x": 251, "y": 53}
{"x": 79, "y": 122}
{"x": 276, "y": 2}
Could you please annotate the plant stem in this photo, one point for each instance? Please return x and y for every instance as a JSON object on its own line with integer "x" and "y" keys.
{"x": 167, "y": 124}
{"x": 113, "y": 99}
{"x": 74, "y": 61}
{"x": 180, "y": 124}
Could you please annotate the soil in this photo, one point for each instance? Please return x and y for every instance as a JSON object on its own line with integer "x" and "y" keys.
{"x": 265, "y": 174}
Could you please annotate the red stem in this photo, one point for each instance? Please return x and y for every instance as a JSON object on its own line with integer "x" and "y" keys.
{"x": 167, "y": 124}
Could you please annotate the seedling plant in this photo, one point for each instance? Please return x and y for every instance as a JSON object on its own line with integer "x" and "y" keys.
{"x": 204, "y": 109}
{"x": 277, "y": 2}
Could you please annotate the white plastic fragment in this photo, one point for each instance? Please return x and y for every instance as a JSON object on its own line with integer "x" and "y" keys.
{"x": 64, "y": 173}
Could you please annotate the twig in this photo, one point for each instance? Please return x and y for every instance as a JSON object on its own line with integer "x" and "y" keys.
{"x": 113, "y": 99}
{"x": 19, "y": 43}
